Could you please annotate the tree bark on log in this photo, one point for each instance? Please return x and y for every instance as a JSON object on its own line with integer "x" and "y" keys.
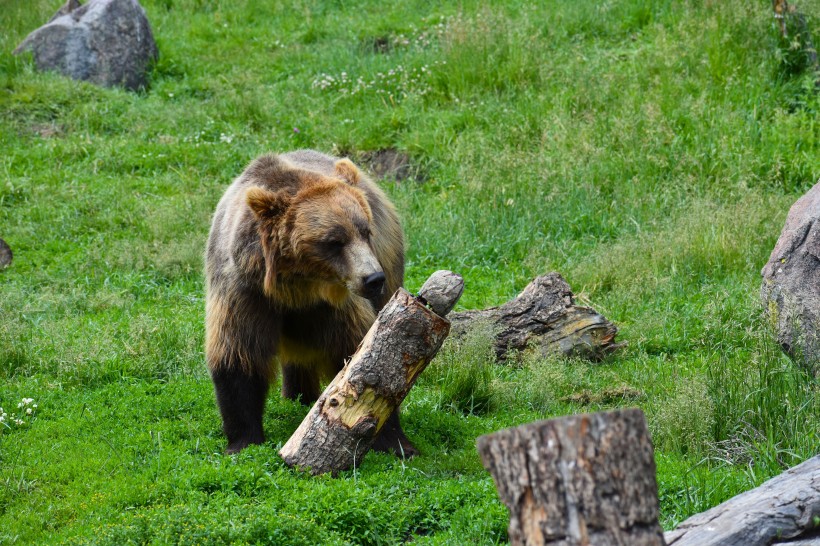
{"x": 578, "y": 480}
{"x": 544, "y": 315}
{"x": 785, "y": 507}
{"x": 340, "y": 428}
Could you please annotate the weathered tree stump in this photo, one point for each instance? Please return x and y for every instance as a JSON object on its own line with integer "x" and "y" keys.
{"x": 785, "y": 507}
{"x": 5, "y": 254}
{"x": 544, "y": 315}
{"x": 340, "y": 428}
{"x": 578, "y": 480}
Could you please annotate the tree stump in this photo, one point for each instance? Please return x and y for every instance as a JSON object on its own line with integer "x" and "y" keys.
{"x": 784, "y": 507}
{"x": 340, "y": 428}
{"x": 578, "y": 480}
{"x": 544, "y": 315}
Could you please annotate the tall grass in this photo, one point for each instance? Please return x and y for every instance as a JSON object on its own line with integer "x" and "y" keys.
{"x": 464, "y": 373}
{"x": 769, "y": 407}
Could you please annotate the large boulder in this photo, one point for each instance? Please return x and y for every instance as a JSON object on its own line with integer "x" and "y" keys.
{"x": 106, "y": 42}
{"x": 791, "y": 282}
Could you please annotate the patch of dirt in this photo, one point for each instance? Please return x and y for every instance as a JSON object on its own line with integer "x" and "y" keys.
{"x": 378, "y": 44}
{"x": 47, "y": 130}
{"x": 606, "y": 396}
{"x": 391, "y": 164}
{"x": 5, "y": 254}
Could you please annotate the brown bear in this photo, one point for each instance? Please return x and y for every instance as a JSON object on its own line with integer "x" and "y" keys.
{"x": 304, "y": 251}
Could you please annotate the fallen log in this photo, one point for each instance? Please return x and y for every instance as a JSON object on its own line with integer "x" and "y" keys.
{"x": 578, "y": 480}
{"x": 340, "y": 428}
{"x": 785, "y": 507}
{"x": 544, "y": 315}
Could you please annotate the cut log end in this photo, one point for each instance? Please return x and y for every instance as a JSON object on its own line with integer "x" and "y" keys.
{"x": 441, "y": 291}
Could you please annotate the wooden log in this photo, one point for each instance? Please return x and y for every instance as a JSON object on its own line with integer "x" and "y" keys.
{"x": 785, "y": 507}
{"x": 578, "y": 480}
{"x": 340, "y": 428}
{"x": 544, "y": 315}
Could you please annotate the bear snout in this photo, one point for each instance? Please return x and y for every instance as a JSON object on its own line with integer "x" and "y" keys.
{"x": 373, "y": 285}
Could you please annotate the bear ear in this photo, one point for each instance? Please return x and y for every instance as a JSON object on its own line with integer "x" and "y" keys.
{"x": 347, "y": 171}
{"x": 266, "y": 204}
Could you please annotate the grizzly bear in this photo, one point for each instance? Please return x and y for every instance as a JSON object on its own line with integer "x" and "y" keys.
{"x": 304, "y": 251}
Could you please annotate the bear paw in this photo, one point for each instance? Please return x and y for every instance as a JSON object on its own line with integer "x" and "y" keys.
{"x": 396, "y": 442}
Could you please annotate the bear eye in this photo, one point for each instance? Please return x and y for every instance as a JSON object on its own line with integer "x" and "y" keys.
{"x": 334, "y": 240}
{"x": 334, "y": 244}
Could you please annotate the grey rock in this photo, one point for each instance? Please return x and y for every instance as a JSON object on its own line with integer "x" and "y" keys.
{"x": 106, "y": 42}
{"x": 791, "y": 282}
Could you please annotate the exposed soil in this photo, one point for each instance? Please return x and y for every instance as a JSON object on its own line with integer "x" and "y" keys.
{"x": 391, "y": 164}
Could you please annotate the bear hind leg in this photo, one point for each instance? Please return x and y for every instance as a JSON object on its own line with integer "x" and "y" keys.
{"x": 300, "y": 383}
{"x": 392, "y": 439}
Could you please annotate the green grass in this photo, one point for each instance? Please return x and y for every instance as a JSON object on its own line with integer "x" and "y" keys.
{"x": 649, "y": 152}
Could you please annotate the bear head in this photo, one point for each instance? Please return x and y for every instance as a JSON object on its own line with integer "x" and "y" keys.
{"x": 316, "y": 235}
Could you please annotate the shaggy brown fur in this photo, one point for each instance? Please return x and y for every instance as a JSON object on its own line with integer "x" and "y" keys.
{"x": 303, "y": 252}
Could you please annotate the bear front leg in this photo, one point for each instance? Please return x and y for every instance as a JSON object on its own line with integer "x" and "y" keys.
{"x": 391, "y": 438}
{"x": 241, "y": 400}
{"x": 241, "y": 336}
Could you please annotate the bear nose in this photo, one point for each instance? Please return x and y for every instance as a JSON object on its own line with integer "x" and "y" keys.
{"x": 373, "y": 284}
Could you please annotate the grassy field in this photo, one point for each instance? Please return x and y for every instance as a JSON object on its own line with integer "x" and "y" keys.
{"x": 647, "y": 151}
